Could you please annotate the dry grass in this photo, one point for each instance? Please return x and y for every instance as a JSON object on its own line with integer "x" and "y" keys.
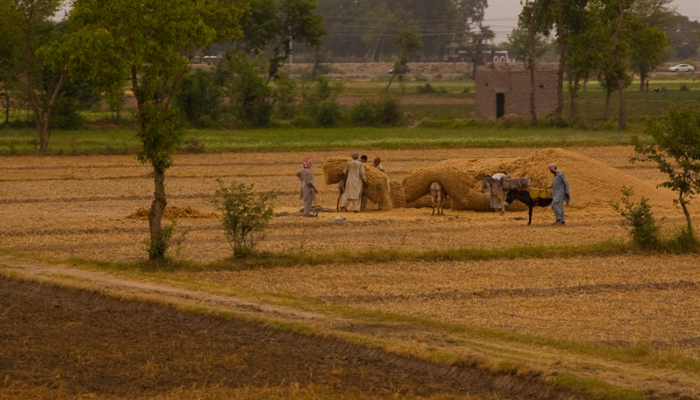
{"x": 614, "y": 300}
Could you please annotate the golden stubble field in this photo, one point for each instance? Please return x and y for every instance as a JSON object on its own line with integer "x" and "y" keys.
{"x": 60, "y": 207}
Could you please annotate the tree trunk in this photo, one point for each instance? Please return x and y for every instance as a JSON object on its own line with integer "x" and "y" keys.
{"x": 474, "y": 69}
{"x": 573, "y": 111}
{"x": 533, "y": 108}
{"x": 390, "y": 80}
{"x": 158, "y": 244}
{"x": 7, "y": 106}
{"x": 622, "y": 112}
{"x": 606, "y": 113}
{"x": 561, "y": 42}
{"x": 45, "y": 122}
{"x": 642, "y": 78}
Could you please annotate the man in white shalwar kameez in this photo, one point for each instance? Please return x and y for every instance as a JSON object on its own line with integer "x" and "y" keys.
{"x": 354, "y": 183}
{"x": 308, "y": 190}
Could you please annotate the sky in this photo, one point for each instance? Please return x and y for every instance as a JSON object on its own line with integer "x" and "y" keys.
{"x": 502, "y": 15}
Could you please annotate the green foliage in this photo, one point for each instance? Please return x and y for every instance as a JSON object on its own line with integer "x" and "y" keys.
{"x": 363, "y": 113}
{"x": 160, "y": 137}
{"x": 329, "y": 114}
{"x": 639, "y": 220}
{"x": 684, "y": 88}
{"x": 200, "y": 99}
{"x": 409, "y": 41}
{"x": 428, "y": 88}
{"x": 271, "y": 25}
{"x": 320, "y": 101}
{"x": 285, "y": 94}
{"x": 251, "y": 98}
{"x": 675, "y": 149}
{"x": 384, "y": 111}
{"x": 167, "y": 240}
{"x": 245, "y": 215}
{"x": 303, "y": 121}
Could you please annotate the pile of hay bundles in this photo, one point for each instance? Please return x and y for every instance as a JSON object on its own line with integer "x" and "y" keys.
{"x": 592, "y": 182}
{"x": 377, "y": 186}
{"x": 398, "y": 198}
{"x": 427, "y": 202}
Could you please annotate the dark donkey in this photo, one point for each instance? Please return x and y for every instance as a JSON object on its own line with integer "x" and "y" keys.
{"x": 524, "y": 197}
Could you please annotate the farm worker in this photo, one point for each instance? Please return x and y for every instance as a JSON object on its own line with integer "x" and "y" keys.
{"x": 497, "y": 189}
{"x": 560, "y": 194}
{"x": 308, "y": 190}
{"x": 387, "y": 196}
{"x": 364, "y": 159}
{"x": 355, "y": 181}
{"x": 378, "y": 164}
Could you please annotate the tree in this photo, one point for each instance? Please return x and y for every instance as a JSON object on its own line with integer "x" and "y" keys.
{"x": 9, "y": 44}
{"x": 675, "y": 149}
{"x": 564, "y": 17}
{"x": 31, "y": 21}
{"x": 272, "y": 26}
{"x": 409, "y": 42}
{"x": 476, "y": 35}
{"x": 530, "y": 45}
{"x": 647, "y": 48}
{"x": 151, "y": 42}
{"x": 584, "y": 52}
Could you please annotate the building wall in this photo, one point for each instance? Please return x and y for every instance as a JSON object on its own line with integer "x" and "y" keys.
{"x": 515, "y": 85}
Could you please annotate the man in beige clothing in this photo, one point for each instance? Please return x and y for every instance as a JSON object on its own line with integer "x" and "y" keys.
{"x": 308, "y": 190}
{"x": 355, "y": 182}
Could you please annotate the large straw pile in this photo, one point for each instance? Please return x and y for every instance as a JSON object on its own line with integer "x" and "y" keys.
{"x": 377, "y": 186}
{"x": 398, "y": 198}
{"x": 593, "y": 183}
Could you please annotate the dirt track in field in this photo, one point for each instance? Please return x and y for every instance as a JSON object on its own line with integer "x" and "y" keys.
{"x": 78, "y": 343}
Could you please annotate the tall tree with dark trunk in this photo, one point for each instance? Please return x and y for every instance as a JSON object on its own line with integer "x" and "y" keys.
{"x": 151, "y": 42}
{"x": 30, "y": 20}
{"x": 530, "y": 44}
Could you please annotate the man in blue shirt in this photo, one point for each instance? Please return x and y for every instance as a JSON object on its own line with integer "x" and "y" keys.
{"x": 560, "y": 194}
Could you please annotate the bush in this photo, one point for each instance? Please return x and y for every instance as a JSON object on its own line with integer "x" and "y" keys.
{"x": 329, "y": 113}
{"x": 684, "y": 88}
{"x": 285, "y": 96}
{"x": 250, "y": 95}
{"x": 364, "y": 113}
{"x": 303, "y": 121}
{"x": 245, "y": 215}
{"x": 427, "y": 88}
{"x": 639, "y": 220}
{"x": 388, "y": 112}
{"x": 200, "y": 99}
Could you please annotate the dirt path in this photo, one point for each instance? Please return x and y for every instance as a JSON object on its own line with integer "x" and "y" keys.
{"x": 83, "y": 342}
{"x": 59, "y": 317}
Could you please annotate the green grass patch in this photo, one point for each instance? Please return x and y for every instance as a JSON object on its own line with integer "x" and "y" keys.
{"x": 596, "y": 388}
{"x": 292, "y": 139}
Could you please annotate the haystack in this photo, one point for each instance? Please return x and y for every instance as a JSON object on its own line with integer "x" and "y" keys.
{"x": 398, "y": 198}
{"x": 376, "y": 180}
{"x": 427, "y": 202}
{"x": 593, "y": 183}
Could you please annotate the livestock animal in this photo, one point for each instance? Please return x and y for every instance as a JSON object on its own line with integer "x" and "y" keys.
{"x": 499, "y": 186}
{"x": 438, "y": 195}
{"x": 341, "y": 191}
{"x": 495, "y": 186}
{"x": 542, "y": 198}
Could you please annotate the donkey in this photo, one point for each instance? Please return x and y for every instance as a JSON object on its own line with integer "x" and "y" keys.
{"x": 499, "y": 186}
{"x": 524, "y": 197}
{"x": 438, "y": 195}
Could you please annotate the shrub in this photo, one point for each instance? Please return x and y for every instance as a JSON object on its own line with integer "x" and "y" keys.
{"x": 303, "y": 121}
{"x": 329, "y": 113}
{"x": 427, "y": 88}
{"x": 388, "y": 112}
{"x": 166, "y": 240}
{"x": 364, "y": 113}
{"x": 200, "y": 99}
{"x": 684, "y": 88}
{"x": 249, "y": 93}
{"x": 245, "y": 215}
{"x": 285, "y": 96}
{"x": 639, "y": 220}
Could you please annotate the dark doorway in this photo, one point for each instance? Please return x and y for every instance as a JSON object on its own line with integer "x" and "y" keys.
{"x": 500, "y": 105}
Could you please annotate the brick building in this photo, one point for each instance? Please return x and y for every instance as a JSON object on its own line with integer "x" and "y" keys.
{"x": 500, "y": 93}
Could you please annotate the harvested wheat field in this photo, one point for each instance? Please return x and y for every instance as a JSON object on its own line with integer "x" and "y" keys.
{"x": 95, "y": 208}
